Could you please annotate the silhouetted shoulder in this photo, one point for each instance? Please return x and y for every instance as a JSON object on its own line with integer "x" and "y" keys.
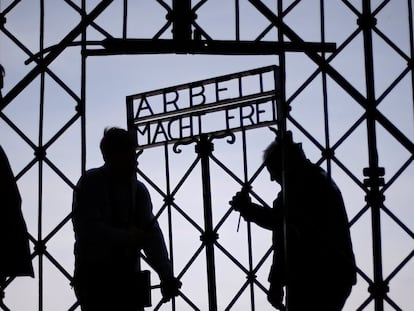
{"x": 141, "y": 186}
{"x": 320, "y": 176}
{"x": 92, "y": 175}
{"x": 143, "y": 195}
{"x": 94, "y": 172}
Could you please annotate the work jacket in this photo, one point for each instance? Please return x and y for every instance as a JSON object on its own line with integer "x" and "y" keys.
{"x": 101, "y": 236}
{"x": 15, "y": 259}
{"x": 309, "y": 221}
{"x": 319, "y": 247}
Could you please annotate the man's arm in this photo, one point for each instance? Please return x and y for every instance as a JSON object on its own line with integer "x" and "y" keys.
{"x": 155, "y": 248}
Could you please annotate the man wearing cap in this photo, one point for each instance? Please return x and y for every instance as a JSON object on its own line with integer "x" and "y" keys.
{"x": 313, "y": 257}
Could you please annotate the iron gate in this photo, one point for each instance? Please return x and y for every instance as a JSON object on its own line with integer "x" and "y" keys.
{"x": 213, "y": 109}
{"x": 349, "y": 101}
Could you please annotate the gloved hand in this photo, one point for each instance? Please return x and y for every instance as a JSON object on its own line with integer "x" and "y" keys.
{"x": 241, "y": 202}
{"x": 275, "y": 296}
{"x": 170, "y": 288}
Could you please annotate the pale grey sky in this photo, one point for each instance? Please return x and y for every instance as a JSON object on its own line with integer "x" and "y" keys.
{"x": 110, "y": 79}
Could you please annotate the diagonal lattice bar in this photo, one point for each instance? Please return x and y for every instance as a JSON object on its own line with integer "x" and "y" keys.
{"x": 48, "y": 59}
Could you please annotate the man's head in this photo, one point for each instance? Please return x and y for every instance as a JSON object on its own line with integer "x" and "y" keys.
{"x": 272, "y": 157}
{"x": 118, "y": 151}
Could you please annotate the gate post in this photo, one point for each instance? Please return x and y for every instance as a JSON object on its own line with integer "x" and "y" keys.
{"x": 204, "y": 149}
{"x": 374, "y": 173}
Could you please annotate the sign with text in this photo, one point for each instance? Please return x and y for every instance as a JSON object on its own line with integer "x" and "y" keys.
{"x": 232, "y": 102}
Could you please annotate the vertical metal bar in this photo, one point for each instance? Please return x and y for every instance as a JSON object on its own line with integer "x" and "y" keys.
{"x": 325, "y": 93}
{"x": 125, "y": 20}
{"x": 367, "y": 21}
{"x": 168, "y": 203}
{"x": 411, "y": 36}
{"x": 282, "y": 110}
{"x": 237, "y": 19}
{"x": 133, "y": 133}
{"x": 282, "y": 113}
{"x": 182, "y": 20}
{"x": 130, "y": 119}
{"x": 40, "y": 153}
{"x": 204, "y": 148}
{"x": 82, "y": 103}
{"x": 247, "y": 188}
{"x": 249, "y": 226}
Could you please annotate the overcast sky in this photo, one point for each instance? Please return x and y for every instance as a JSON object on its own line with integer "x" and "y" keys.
{"x": 109, "y": 80}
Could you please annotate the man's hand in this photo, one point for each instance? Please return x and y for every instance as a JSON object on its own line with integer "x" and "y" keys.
{"x": 170, "y": 288}
{"x": 241, "y": 202}
{"x": 275, "y": 296}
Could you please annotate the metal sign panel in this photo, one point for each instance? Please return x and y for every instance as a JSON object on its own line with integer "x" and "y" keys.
{"x": 222, "y": 104}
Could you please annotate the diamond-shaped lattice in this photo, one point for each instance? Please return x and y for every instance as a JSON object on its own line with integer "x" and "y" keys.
{"x": 59, "y": 93}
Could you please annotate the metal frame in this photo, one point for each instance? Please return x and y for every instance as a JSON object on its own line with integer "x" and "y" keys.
{"x": 190, "y": 37}
{"x": 204, "y": 148}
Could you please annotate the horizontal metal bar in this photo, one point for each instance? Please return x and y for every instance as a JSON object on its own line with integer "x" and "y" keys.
{"x": 114, "y": 46}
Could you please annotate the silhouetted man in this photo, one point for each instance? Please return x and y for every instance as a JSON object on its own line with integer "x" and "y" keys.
{"x": 113, "y": 221}
{"x": 15, "y": 257}
{"x": 317, "y": 266}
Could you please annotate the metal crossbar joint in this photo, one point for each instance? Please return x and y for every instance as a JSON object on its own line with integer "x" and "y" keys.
{"x": 375, "y": 198}
{"x": 174, "y": 16}
{"x": 367, "y": 21}
{"x": 209, "y": 237}
{"x": 79, "y": 109}
{"x": 375, "y": 177}
{"x": 410, "y": 64}
{"x": 40, "y": 247}
{"x": 328, "y": 153}
{"x": 169, "y": 199}
{"x": 40, "y": 153}
{"x": 379, "y": 289}
{"x": 204, "y": 147}
{"x": 3, "y": 20}
{"x": 251, "y": 277}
